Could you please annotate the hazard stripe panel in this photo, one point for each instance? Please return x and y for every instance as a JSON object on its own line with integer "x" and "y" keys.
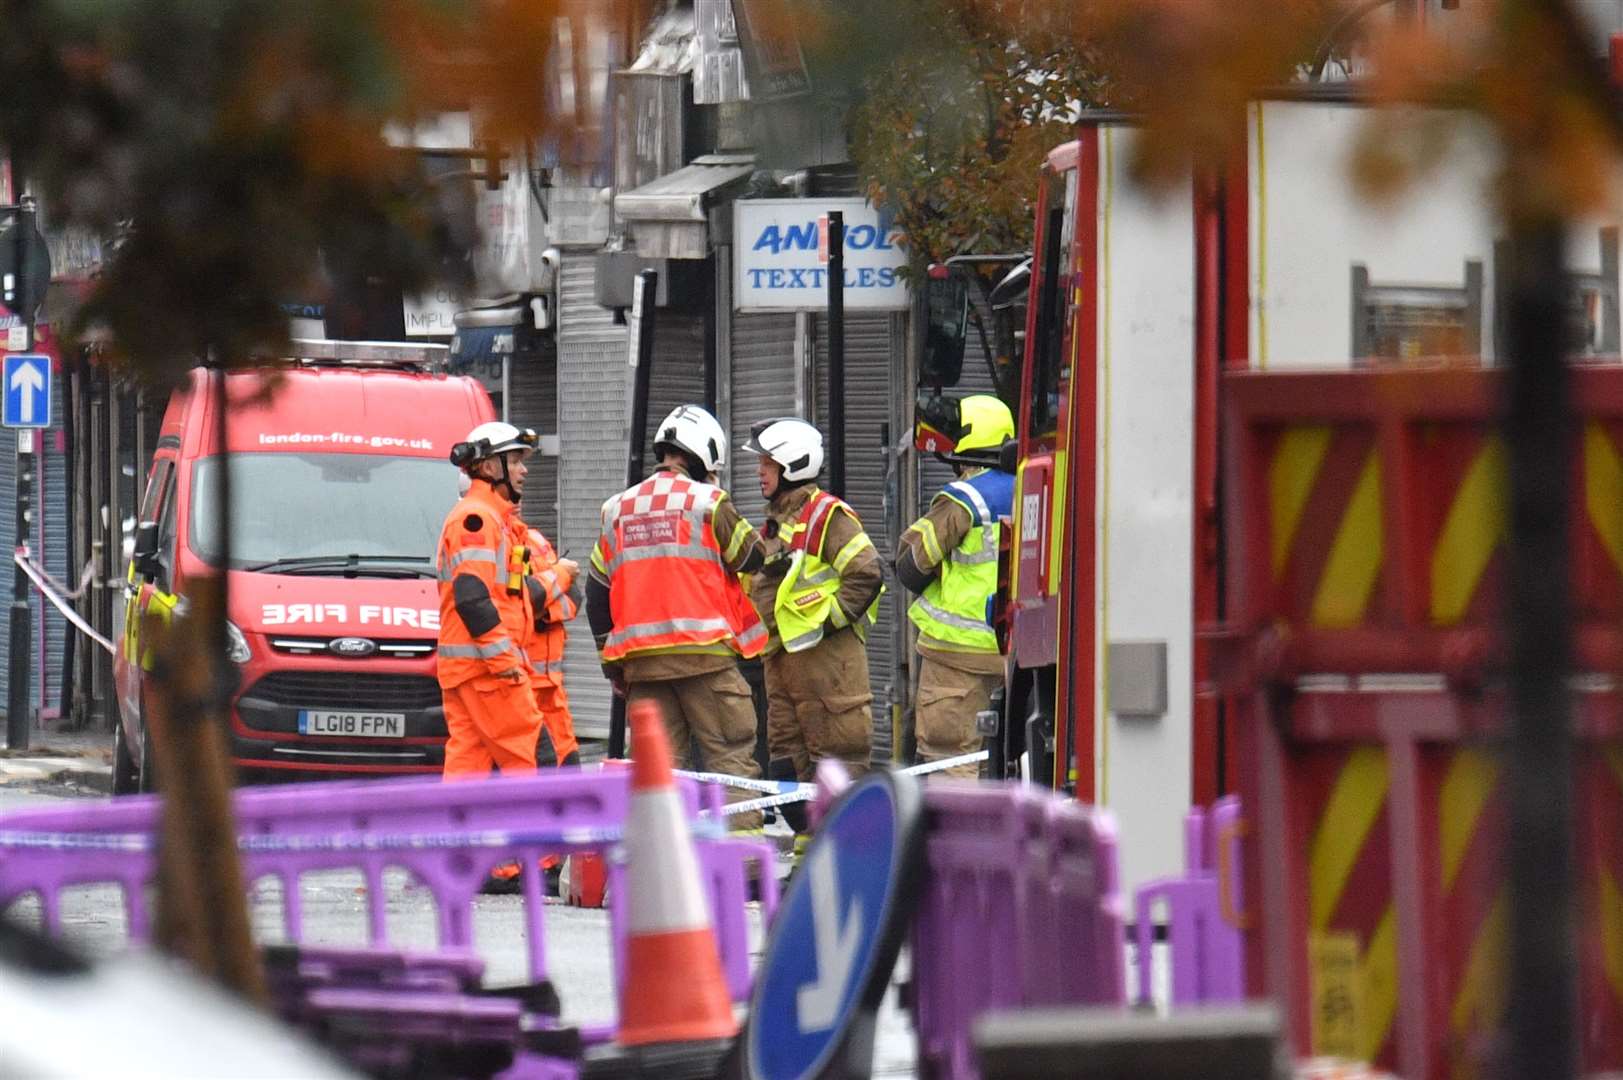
{"x": 1471, "y": 532}
{"x": 1598, "y": 562}
{"x": 1473, "y": 907}
{"x": 1600, "y": 913}
{"x": 1327, "y": 542}
{"x": 1352, "y": 946}
{"x": 1326, "y": 530}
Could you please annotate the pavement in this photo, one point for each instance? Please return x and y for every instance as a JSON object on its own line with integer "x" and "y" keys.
{"x": 61, "y": 758}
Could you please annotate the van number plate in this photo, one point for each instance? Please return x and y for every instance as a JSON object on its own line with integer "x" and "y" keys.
{"x": 386, "y": 725}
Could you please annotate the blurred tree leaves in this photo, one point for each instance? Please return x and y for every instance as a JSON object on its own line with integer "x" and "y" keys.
{"x": 235, "y": 148}
{"x": 1529, "y": 68}
{"x": 955, "y": 105}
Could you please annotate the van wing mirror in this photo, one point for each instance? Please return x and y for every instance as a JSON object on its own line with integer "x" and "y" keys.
{"x": 145, "y": 552}
{"x": 946, "y": 299}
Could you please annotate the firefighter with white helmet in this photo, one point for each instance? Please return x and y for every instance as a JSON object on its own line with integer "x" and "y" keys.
{"x": 819, "y": 594}
{"x": 950, "y": 558}
{"x": 485, "y": 610}
{"x": 665, "y": 604}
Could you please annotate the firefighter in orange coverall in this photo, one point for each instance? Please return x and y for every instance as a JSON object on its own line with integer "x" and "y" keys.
{"x": 555, "y": 594}
{"x": 486, "y": 616}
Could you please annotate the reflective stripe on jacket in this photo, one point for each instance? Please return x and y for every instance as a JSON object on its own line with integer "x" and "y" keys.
{"x": 669, "y": 588}
{"x": 479, "y": 544}
{"x": 954, "y": 611}
{"x": 806, "y": 599}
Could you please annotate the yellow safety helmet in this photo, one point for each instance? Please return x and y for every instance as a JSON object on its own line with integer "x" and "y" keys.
{"x": 985, "y": 423}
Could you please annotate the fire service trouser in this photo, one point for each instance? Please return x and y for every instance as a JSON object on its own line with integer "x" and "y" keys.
{"x": 553, "y": 703}
{"x": 715, "y": 710}
{"x": 491, "y": 722}
{"x": 819, "y": 705}
{"x": 948, "y": 700}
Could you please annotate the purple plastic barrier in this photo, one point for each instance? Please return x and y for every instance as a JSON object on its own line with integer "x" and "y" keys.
{"x": 529, "y": 1066}
{"x": 347, "y": 815}
{"x": 303, "y": 965}
{"x": 394, "y": 1014}
{"x": 1204, "y": 924}
{"x": 1019, "y": 908}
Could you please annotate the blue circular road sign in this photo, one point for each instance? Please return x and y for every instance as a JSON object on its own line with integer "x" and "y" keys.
{"x": 836, "y": 938}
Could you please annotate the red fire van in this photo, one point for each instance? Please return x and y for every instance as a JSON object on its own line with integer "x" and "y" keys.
{"x": 339, "y": 482}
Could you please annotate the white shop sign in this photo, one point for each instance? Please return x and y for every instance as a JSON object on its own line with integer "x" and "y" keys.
{"x": 780, "y": 256}
{"x": 432, "y": 314}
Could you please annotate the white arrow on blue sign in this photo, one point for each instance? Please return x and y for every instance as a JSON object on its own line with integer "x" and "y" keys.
{"x": 835, "y": 940}
{"x": 27, "y": 383}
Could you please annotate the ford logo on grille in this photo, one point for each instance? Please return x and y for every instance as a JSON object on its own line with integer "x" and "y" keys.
{"x": 353, "y": 646}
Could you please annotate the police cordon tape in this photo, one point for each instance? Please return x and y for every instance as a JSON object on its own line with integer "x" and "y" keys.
{"x": 805, "y": 792}
{"x": 766, "y": 787}
{"x": 45, "y": 586}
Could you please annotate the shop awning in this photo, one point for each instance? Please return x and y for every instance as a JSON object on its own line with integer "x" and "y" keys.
{"x": 669, "y": 218}
{"x": 486, "y": 336}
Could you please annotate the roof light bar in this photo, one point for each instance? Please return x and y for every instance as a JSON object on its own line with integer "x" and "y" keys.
{"x": 370, "y": 353}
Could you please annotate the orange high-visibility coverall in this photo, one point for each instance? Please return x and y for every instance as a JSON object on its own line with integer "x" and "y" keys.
{"x": 555, "y": 602}
{"x": 485, "y": 620}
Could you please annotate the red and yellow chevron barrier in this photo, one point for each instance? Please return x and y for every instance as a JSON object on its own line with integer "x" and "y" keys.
{"x": 1473, "y": 910}
{"x": 1324, "y": 489}
{"x": 1600, "y": 914}
{"x": 1598, "y": 557}
{"x": 1352, "y": 940}
{"x": 1327, "y": 525}
{"x": 1369, "y": 527}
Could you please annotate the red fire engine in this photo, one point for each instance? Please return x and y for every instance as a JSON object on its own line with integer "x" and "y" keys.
{"x": 1256, "y": 547}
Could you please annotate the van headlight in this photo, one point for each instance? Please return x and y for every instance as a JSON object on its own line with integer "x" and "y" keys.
{"x": 236, "y": 648}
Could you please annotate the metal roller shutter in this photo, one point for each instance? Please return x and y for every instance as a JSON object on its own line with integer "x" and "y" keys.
{"x": 52, "y": 529}
{"x": 869, "y": 338}
{"x": 763, "y": 386}
{"x": 533, "y": 384}
{"x": 591, "y": 404}
{"x": 678, "y": 376}
{"x": 49, "y": 542}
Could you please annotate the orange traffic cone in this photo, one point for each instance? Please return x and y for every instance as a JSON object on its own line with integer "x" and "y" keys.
{"x": 673, "y": 990}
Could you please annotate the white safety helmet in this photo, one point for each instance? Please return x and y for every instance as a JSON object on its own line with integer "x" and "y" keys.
{"x": 792, "y": 443}
{"x": 489, "y": 439}
{"x": 694, "y": 430}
